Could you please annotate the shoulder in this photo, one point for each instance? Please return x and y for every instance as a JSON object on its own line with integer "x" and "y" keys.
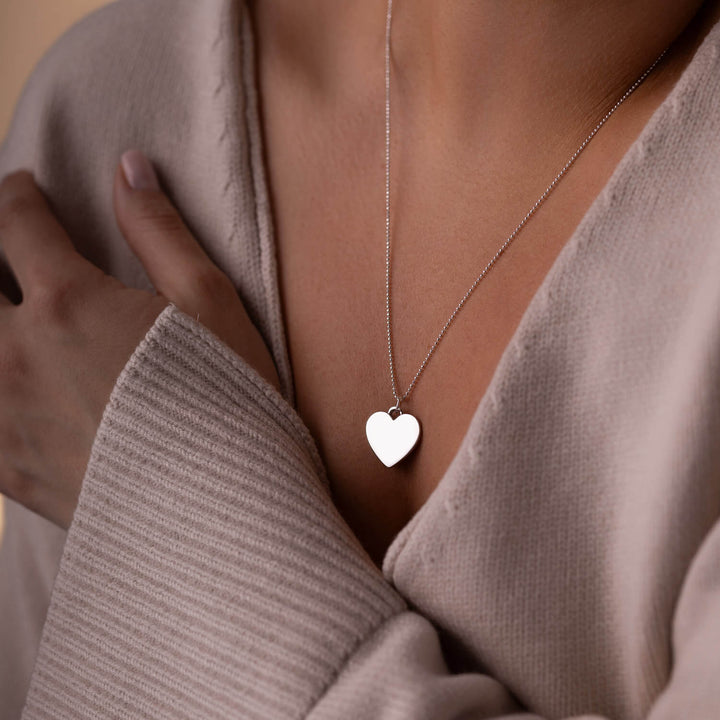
{"x": 160, "y": 75}
{"x": 129, "y": 40}
{"x": 122, "y": 57}
{"x": 114, "y": 31}
{"x": 671, "y": 175}
{"x": 126, "y": 35}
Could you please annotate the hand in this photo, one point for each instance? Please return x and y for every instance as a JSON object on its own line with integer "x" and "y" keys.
{"x": 64, "y": 345}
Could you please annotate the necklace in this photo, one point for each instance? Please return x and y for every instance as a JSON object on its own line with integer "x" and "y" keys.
{"x": 393, "y": 434}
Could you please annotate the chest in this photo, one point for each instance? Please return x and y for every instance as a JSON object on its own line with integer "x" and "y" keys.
{"x": 325, "y": 175}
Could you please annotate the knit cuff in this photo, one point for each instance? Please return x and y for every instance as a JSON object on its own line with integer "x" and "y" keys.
{"x": 206, "y": 572}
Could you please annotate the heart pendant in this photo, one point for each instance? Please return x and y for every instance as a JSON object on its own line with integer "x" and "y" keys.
{"x": 392, "y": 438}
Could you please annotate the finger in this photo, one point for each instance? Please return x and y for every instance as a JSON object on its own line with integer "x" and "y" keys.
{"x": 154, "y": 230}
{"x": 36, "y": 246}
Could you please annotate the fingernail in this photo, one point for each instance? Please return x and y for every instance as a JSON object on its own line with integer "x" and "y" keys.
{"x": 138, "y": 171}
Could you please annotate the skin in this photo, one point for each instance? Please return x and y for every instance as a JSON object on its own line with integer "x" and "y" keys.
{"x": 490, "y": 100}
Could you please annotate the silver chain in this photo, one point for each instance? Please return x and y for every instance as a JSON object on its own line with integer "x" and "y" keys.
{"x": 512, "y": 235}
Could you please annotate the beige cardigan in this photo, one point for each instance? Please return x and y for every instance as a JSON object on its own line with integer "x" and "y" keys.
{"x": 568, "y": 563}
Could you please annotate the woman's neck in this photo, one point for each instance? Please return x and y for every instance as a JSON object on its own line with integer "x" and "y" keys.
{"x": 467, "y": 63}
{"x": 466, "y": 72}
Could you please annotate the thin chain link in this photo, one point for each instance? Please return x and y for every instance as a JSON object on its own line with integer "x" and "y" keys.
{"x": 512, "y": 235}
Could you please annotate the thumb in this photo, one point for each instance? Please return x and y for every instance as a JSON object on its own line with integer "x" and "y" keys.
{"x": 175, "y": 262}
{"x": 177, "y": 265}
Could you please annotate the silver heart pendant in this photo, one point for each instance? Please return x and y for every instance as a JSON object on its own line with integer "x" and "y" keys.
{"x": 392, "y": 438}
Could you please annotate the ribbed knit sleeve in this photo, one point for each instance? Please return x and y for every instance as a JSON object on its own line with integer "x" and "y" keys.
{"x": 206, "y": 572}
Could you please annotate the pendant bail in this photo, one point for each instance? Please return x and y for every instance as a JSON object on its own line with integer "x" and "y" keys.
{"x": 395, "y": 407}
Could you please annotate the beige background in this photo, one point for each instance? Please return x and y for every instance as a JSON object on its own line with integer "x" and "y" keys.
{"x": 27, "y": 29}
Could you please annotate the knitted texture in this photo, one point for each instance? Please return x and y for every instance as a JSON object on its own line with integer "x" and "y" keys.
{"x": 566, "y": 564}
{"x": 238, "y": 573}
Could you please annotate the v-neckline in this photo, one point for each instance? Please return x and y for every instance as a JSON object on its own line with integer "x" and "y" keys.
{"x": 540, "y": 304}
